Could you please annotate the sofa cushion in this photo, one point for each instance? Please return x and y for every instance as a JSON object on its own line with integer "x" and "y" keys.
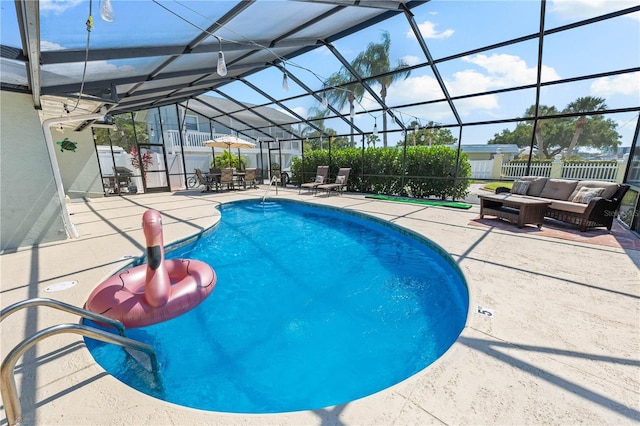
{"x": 520, "y": 187}
{"x": 586, "y": 194}
{"x": 567, "y": 206}
{"x": 536, "y": 184}
{"x": 609, "y": 188}
{"x": 558, "y": 189}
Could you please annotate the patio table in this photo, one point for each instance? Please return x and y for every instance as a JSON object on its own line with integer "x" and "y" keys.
{"x": 514, "y": 208}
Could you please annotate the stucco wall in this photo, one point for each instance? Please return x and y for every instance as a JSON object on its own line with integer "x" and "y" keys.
{"x": 79, "y": 170}
{"x": 30, "y": 208}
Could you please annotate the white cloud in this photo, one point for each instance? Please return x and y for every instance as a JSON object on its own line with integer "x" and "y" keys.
{"x": 509, "y": 70}
{"x": 419, "y": 89}
{"x": 627, "y": 84}
{"x": 47, "y": 45}
{"x": 301, "y": 111}
{"x": 414, "y": 89}
{"x": 75, "y": 70}
{"x": 411, "y": 60}
{"x": 570, "y": 10}
{"x": 428, "y": 30}
{"x": 58, "y": 6}
{"x": 493, "y": 72}
{"x": 95, "y": 69}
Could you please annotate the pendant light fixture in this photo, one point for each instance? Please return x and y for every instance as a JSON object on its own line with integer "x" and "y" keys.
{"x": 285, "y": 81}
{"x": 222, "y": 66}
{"x": 106, "y": 11}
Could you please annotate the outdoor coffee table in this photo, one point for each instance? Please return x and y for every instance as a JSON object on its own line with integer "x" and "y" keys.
{"x": 514, "y": 208}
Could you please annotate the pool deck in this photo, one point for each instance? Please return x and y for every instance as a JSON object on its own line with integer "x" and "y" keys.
{"x": 562, "y": 347}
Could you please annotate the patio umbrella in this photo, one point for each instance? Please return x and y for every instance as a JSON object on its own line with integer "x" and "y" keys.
{"x": 229, "y": 141}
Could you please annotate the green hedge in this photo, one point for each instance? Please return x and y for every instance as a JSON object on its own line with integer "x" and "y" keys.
{"x": 429, "y": 171}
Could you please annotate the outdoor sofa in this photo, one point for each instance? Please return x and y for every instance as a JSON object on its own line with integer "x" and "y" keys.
{"x": 585, "y": 203}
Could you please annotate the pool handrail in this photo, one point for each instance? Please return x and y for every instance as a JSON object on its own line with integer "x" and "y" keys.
{"x": 56, "y": 304}
{"x": 8, "y": 388}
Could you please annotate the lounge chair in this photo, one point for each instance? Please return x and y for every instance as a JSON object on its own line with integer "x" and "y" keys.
{"x": 321, "y": 176}
{"x": 204, "y": 180}
{"x": 339, "y": 183}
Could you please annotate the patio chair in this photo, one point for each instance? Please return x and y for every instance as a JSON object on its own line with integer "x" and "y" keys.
{"x": 226, "y": 178}
{"x": 214, "y": 176}
{"x": 339, "y": 184}
{"x": 321, "y": 176}
{"x": 250, "y": 178}
{"x": 205, "y": 180}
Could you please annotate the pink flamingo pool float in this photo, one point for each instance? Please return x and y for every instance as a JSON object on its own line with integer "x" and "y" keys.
{"x": 155, "y": 292}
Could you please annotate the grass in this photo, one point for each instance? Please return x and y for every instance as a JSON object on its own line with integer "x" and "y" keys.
{"x": 442, "y": 203}
{"x": 491, "y": 186}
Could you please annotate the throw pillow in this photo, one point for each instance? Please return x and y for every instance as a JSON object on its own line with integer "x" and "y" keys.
{"x": 339, "y": 180}
{"x": 585, "y": 195}
{"x": 319, "y": 179}
{"x": 520, "y": 187}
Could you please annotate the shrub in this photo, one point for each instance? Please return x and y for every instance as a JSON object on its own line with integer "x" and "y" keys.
{"x": 429, "y": 171}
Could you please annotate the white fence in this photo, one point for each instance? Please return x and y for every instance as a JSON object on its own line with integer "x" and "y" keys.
{"x": 519, "y": 169}
{"x": 608, "y": 171}
{"x": 590, "y": 170}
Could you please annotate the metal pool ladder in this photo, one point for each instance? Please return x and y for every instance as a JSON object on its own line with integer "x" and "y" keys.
{"x": 8, "y": 389}
{"x": 274, "y": 180}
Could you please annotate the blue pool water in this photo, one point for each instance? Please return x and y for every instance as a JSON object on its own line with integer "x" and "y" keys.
{"x": 313, "y": 307}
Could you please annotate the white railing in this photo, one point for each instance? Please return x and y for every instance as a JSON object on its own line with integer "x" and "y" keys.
{"x": 590, "y": 170}
{"x": 519, "y": 169}
{"x": 194, "y": 139}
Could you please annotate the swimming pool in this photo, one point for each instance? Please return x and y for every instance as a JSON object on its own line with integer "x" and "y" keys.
{"x": 313, "y": 307}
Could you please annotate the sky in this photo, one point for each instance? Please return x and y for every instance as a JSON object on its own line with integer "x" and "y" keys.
{"x": 448, "y": 27}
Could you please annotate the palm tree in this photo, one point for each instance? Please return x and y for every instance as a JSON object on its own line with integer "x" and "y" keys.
{"x": 583, "y": 106}
{"x": 375, "y": 62}
{"x": 316, "y": 117}
{"x": 346, "y": 90}
{"x": 542, "y": 111}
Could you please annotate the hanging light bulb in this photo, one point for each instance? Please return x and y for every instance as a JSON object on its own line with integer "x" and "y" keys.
{"x": 325, "y": 101}
{"x": 285, "y": 81}
{"x": 222, "y": 66}
{"x": 375, "y": 127}
{"x": 352, "y": 112}
{"x": 106, "y": 11}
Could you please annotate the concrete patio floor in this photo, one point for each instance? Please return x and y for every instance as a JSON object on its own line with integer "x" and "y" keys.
{"x": 563, "y": 345}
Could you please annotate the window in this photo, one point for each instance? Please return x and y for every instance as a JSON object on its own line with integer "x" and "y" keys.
{"x": 191, "y": 122}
